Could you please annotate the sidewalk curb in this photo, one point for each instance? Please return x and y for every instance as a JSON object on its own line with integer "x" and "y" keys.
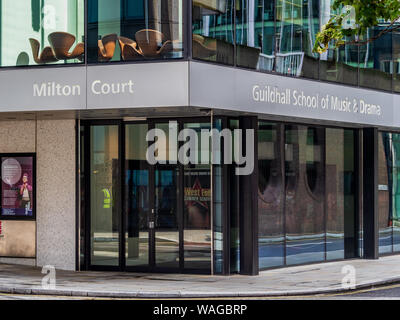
{"x": 187, "y": 294}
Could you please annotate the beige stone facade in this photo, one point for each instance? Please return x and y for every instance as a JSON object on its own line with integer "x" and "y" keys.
{"x": 51, "y": 239}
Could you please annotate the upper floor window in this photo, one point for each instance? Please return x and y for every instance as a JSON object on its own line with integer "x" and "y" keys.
{"x": 213, "y": 32}
{"x": 127, "y": 30}
{"x": 41, "y": 32}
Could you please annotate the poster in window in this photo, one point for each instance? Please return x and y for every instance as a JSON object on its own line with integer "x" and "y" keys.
{"x": 17, "y": 193}
{"x": 197, "y": 199}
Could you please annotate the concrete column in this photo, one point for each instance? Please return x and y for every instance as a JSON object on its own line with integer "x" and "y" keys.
{"x": 249, "y": 206}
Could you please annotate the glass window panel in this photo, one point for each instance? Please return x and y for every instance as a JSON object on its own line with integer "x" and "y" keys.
{"x": 396, "y": 191}
{"x": 389, "y": 192}
{"x": 341, "y": 64}
{"x": 162, "y": 154}
{"x": 297, "y": 24}
{"x": 128, "y": 30}
{"x": 396, "y": 59}
{"x": 340, "y": 197}
{"x": 104, "y": 176}
{"x": 376, "y": 63}
{"x": 218, "y": 205}
{"x": 255, "y": 34}
{"x": 166, "y": 217}
{"x": 271, "y": 239}
{"x": 213, "y": 33}
{"x": 304, "y": 164}
{"x": 41, "y": 32}
{"x": 197, "y": 210}
{"x": 385, "y": 198}
{"x": 136, "y": 196}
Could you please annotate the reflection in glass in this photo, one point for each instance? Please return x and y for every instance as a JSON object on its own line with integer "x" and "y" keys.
{"x": 255, "y": 34}
{"x": 340, "y": 64}
{"x": 389, "y": 192}
{"x": 297, "y": 24}
{"x": 166, "y": 218}
{"x": 270, "y": 204}
{"x": 218, "y": 199}
{"x": 126, "y": 30}
{"x": 305, "y": 234}
{"x": 396, "y": 58}
{"x": 104, "y": 215}
{"x": 136, "y": 195}
{"x": 197, "y": 211}
{"x": 41, "y": 32}
{"x": 376, "y": 63}
{"x": 213, "y": 33}
{"x": 340, "y": 197}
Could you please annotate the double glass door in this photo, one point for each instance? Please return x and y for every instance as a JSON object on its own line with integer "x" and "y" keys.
{"x": 141, "y": 217}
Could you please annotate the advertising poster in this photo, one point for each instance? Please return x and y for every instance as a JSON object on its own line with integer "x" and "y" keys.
{"x": 17, "y": 187}
{"x": 197, "y": 199}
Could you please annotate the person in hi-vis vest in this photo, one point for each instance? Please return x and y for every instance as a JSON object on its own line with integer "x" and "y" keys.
{"x": 107, "y": 202}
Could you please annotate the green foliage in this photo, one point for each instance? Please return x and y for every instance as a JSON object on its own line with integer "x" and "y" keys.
{"x": 368, "y": 14}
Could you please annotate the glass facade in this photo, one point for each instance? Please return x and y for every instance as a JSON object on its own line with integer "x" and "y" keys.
{"x": 104, "y": 204}
{"x": 128, "y": 30}
{"x": 278, "y": 36}
{"x": 273, "y": 36}
{"x": 213, "y": 33}
{"x": 38, "y": 32}
{"x": 137, "y": 199}
{"x": 140, "y": 216}
{"x": 197, "y": 208}
{"x": 389, "y": 192}
{"x": 306, "y": 194}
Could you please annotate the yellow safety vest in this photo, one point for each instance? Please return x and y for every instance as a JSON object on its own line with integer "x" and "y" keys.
{"x": 107, "y": 199}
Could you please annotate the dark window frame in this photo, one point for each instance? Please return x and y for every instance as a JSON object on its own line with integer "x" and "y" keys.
{"x": 357, "y": 186}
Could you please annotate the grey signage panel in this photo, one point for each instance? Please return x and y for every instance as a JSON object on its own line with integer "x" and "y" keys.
{"x": 38, "y": 89}
{"x": 236, "y": 89}
{"x": 138, "y": 85}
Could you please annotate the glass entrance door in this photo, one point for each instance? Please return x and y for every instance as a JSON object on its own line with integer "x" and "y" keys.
{"x": 104, "y": 190}
{"x": 143, "y": 217}
{"x": 152, "y": 223}
{"x": 166, "y": 220}
{"x": 137, "y": 197}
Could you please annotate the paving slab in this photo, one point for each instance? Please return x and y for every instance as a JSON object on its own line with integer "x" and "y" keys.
{"x": 312, "y": 279}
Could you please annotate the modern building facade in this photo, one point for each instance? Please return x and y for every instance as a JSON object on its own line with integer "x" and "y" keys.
{"x": 82, "y": 83}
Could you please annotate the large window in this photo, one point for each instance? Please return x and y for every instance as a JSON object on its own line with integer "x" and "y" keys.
{"x": 278, "y": 36}
{"x": 255, "y": 34}
{"x": 128, "y": 30}
{"x": 389, "y": 192}
{"x": 41, "y": 32}
{"x": 306, "y": 196}
{"x": 376, "y": 62}
{"x": 213, "y": 34}
{"x": 338, "y": 64}
{"x": 270, "y": 196}
{"x": 297, "y": 24}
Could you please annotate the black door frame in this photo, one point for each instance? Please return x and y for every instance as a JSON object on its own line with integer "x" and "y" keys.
{"x": 87, "y": 239}
{"x": 120, "y": 191}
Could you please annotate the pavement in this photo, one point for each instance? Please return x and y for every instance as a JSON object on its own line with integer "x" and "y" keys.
{"x": 323, "y": 278}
